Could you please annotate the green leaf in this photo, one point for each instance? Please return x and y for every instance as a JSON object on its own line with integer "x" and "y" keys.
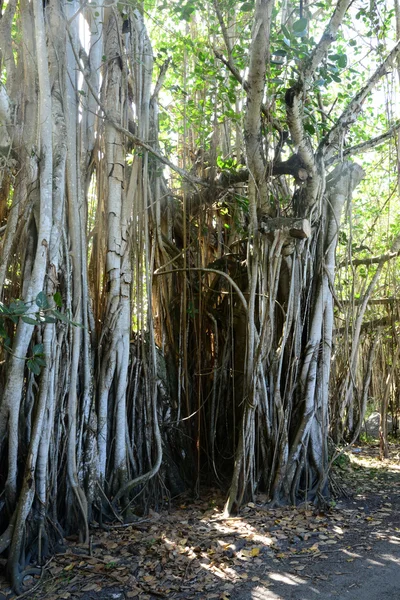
{"x": 58, "y": 299}
{"x": 60, "y": 316}
{"x": 4, "y": 309}
{"x": 18, "y": 307}
{"x": 75, "y": 324}
{"x": 339, "y": 59}
{"x": 38, "y": 349}
{"x": 300, "y": 26}
{"x": 29, "y": 320}
{"x": 41, "y": 300}
{"x": 247, "y": 7}
{"x": 47, "y": 319}
{"x": 33, "y": 366}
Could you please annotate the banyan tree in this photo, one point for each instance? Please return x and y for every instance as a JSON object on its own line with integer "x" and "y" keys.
{"x": 172, "y": 183}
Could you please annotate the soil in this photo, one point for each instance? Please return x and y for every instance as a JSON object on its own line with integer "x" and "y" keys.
{"x": 349, "y": 551}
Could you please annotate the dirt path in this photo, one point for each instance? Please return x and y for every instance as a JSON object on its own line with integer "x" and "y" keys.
{"x": 352, "y": 551}
{"x": 365, "y": 561}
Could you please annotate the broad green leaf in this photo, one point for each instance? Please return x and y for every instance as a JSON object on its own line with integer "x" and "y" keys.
{"x": 339, "y": 59}
{"x": 33, "y": 366}
{"x": 41, "y": 300}
{"x": 29, "y": 320}
{"x": 4, "y": 309}
{"x": 58, "y": 299}
{"x": 300, "y": 26}
{"x": 48, "y": 319}
{"x": 61, "y": 316}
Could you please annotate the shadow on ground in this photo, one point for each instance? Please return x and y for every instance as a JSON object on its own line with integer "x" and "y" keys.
{"x": 190, "y": 552}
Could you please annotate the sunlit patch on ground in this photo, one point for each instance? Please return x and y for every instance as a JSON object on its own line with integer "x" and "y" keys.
{"x": 193, "y": 552}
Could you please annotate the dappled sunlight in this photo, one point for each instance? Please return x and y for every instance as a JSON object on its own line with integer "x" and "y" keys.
{"x": 259, "y": 593}
{"x": 243, "y": 526}
{"x": 192, "y": 551}
{"x": 394, "y": 540}
{"x": 351, "y": 554}
{"x": 369, "y": 458}
{"x": 287, "y": 578}
{"x": 376, "y": 563}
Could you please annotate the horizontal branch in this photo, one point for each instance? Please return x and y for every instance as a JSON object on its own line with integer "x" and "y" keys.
{"x": 373, "y": 324}
{"x": 374, "y": 301}
{"x": 372, "y": 260}
{"x": 294, "y": 167}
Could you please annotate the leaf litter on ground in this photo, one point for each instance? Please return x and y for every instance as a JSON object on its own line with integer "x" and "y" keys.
{"x": 192, "y": 551}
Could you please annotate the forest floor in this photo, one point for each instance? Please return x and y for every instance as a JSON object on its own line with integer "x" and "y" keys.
{"x": 351, "y": 550}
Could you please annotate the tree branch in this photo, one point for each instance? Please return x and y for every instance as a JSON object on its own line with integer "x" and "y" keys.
{"x": 368, "y": 145}
{"x": 328, "y": 37}
{"x": 293, "y": 166}
{"x": 374, "y": 301}
{"x": 353, "y": 109}
{"x": 373, "y": 324}
{"x": 245, "y": 85}
{"x": 294, "y": 112}
{"x": 373, "y": 260}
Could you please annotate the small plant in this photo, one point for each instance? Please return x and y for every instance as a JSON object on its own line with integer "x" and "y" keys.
{"x": 32, "y": 313}
{"x": 342, "y": 461}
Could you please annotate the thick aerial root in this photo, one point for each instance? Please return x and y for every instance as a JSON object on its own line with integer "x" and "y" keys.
{"x": 17, "y": 577}
{"x": 6, "y": 537}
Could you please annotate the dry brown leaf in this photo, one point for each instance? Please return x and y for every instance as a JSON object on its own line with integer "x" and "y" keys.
{"x": 91, "y": 587}
{"x": 112, "y": 546}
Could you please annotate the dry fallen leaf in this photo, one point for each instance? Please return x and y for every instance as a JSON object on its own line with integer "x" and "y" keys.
{"x": 91, "y": 587}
